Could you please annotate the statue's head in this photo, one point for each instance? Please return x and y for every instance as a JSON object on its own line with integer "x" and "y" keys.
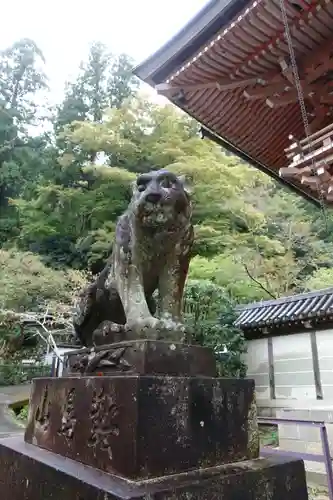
{"x": 160, "y": 199}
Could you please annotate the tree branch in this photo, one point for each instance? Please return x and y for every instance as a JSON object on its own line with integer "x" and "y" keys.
{"x": 40, "y": 322}
{"x": 257, "y": 282}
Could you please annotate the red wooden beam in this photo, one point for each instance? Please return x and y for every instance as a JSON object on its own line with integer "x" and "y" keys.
{"x": 221, "y": 84}
{"x": 314, "y": 74}
{"x": 290, "y": 97}
{"x": 260, "y": 92}
{"x": 320, "y": 115}
{"x": 327, "y": 99}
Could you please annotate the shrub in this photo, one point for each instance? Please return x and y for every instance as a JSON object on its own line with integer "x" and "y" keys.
{"x": 17, "y": 373}
{"x": 210, "y": 315}
{"x": 26, "y": 282}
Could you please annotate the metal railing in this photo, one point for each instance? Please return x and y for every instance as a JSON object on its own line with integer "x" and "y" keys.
{"x": 56, "y": 367}
{"x": 325, "y": 457}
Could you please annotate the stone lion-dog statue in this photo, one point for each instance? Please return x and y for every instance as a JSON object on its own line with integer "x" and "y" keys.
{"x": 151, "y": 252}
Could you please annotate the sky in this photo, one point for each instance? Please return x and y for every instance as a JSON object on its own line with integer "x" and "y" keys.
{"x": 63, "y": 29}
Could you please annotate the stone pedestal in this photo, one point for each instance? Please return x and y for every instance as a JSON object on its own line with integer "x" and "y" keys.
{"x": 31, "y": 473}
{"x": 144, "y": 426}
{"x": 151, "y": 421}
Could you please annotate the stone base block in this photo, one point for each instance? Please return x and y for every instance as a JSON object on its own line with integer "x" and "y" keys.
{"x": 30, "y": 473}
{"x": 142, "y": 357}
{"x": 145, "y": 426}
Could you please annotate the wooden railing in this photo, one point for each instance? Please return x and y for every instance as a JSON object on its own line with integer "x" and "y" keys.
{"x": 311, "y": 162}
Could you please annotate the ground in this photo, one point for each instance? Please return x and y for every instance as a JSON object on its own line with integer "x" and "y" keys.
{"x": 316, "y": 493}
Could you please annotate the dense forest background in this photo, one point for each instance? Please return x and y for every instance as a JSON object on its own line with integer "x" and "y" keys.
{"x": 65, "y": 173}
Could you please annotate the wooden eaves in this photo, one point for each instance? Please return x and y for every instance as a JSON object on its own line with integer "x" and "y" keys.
{"x": 229, "y": 68}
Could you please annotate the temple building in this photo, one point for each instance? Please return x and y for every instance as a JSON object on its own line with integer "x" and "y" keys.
{"x": 258, "y": 76}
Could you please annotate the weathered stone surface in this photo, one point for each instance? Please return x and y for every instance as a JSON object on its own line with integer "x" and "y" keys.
{"x": 31, "y": 473}
{"x": 151, "y": 251}
{"x": 144, "y": 357}
{"x": 145, "y": 426}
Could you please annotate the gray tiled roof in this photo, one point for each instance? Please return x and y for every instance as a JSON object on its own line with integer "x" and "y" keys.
{"x": 287, "y": 310}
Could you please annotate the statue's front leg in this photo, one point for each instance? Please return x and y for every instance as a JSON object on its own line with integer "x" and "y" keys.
{"x": 172, "y": 281}
{"x": 171, "y": 288}
{"x": 129, "y": 284}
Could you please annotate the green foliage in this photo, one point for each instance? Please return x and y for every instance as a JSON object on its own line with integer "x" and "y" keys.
{"x": 71, "y": 220}
{"x": 27, "y": 284}
{"x": 75, "y": 226}
{"x": 23, "y": 413}
{"x": 21, "y": 78}
{"x": 268, "y": 435}
{"x": 321, "y": 278}
{"x": 15, "y": 373}
{"x": 252, "y": 238}
{"x": 62, "y": 192}
{"x": 210, "y": 314}
{"x": 104, "y": 81}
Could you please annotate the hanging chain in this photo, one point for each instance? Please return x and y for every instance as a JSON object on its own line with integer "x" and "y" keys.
{"x": 301, "y": 100}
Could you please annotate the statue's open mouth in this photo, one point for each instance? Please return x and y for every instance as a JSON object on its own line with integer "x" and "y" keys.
{"x": 157, "y": 213}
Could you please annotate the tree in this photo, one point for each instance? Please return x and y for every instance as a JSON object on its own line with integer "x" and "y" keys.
{"x": 27, "y": 284}
{"x": 252, "y": 238}
{"x": 65, "y": 193}
{"x": 210, "y": 314}
{"x": 104, "y": 81}
{"x": 75, "y": 226}
{"x": 321, "y": 278}
{"x": 34, "y": 302}
{"x": 21, "y": 79}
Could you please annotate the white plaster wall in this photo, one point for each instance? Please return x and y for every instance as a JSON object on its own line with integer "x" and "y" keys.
{"x": 295, "y": 389}
{"x": 325, "y": 355}
{"x": 293, "y": 370}
{"x": 256, "y": 360}
{"x": 293, "y": 367}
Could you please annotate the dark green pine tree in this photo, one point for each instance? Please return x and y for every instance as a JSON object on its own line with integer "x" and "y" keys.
{"x": 104, "y": 81}
{"x": 21, "y": 79}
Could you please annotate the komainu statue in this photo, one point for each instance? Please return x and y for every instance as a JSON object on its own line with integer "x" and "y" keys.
{"x": 151, "y": 252}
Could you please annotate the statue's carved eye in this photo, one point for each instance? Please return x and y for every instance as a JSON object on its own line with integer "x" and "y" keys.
{"x": 166, "y": 183}
{"x": 141, "y": 187}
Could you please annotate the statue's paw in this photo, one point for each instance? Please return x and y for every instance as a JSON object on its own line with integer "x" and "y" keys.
{"x": 170, "y": 329}
{"x": 146, "y": 323}
{"x": 142, "y": 327}
{"x": 108, "y": 332}
{"x": 157, "y": 328}
{"x": 170, "y": 324}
